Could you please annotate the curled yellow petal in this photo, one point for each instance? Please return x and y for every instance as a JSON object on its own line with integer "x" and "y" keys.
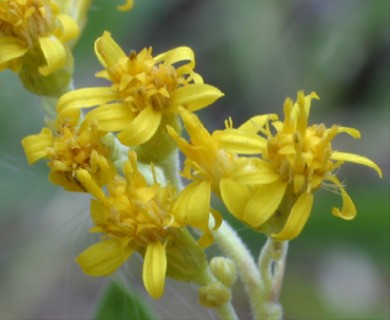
{"x": 142, "y": 128}
{"x": 297, "y": 218}
{"x": 54, "y": 53}
{"x": 348, "y": 211}
{"x": 103, "y": 258}
{"x": 196, "y": 96}
{"x": 351, "y": 131}
{"x": 35, "y": 146}
{"x": 154, "y": 269}
{"x": 69, "y": 28}
{"x": 355, "y": 158}
{"x": 263, "y": 203}
{"x": 175, "y": 55}
{"x": 108, "y": 51}
{"x": 128, "y": 5}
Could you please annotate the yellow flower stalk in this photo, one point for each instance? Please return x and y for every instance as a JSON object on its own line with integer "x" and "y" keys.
{"x": 34, "y": 42}
{"x": 143, "y": 90}
{"x": 304, "y": 160}
{"x": 135, "y": 216}
{"x": 70, "y": 148}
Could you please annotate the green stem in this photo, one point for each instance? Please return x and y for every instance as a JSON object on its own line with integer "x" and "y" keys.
{"x": 231, "y": 245}
{"x": 171, "y": 170}
{"x": 272, "y": 261}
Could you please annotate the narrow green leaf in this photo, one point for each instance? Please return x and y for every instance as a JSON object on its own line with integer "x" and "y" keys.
{"x": 116, "y": 304}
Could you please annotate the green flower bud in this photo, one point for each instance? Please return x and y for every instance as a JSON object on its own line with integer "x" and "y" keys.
{"x": 214, "y": 295}
{"x": 224, "y": 270}
{"x": 52, "y": 85}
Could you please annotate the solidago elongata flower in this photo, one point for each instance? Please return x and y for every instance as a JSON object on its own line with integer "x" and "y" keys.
{"x": 143, "y": 90}
{"x": 70, "y": 148}
{"x": 210, "y": 166}
{"x": 135, "y": 216}
{"x": 303, "y": 158}
{"x": 34, "y": 41}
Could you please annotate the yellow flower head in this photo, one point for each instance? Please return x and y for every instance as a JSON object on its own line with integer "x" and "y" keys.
{"x": 133, "y": 217}
{"x": 144, "y": 89}
{"x": 303, "y": 158}
{"x": 212, "y": 168}
{"x": 70, "y": 148}
{"x": 34, "y": 37}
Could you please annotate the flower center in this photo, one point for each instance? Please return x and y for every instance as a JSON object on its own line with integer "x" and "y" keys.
{"x": 27, "y": 20}
{"x": 140, "y": 221}
{"x": 302, "y": 160}
{"x": 72, "y": 150}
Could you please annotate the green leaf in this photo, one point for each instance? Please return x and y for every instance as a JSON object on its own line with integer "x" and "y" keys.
{"x": 116, "y": 303}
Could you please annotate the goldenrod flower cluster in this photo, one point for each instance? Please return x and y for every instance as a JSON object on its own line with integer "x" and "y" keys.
{"x": 265, "y": 171}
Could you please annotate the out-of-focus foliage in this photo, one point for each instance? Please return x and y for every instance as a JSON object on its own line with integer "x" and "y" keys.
{"x": 257, "y": 53}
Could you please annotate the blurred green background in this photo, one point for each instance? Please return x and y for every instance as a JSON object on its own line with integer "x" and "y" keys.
{"x": 257, "y": 53}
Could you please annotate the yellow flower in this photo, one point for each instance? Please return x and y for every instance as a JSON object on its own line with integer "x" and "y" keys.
{"x": 34, "y": 37}
{"x": 211, "y": 167}
{"x": 302, "y": 157}
{"x": 144, "y": 88}
{"x": 70, "y": 148}
{"x": 133, "y": 217}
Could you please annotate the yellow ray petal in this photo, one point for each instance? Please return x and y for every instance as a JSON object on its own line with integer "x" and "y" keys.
{"x": 175, "y": 55}
{"x": 103, "y": 258}
{"x": 192, "y": 206}
{"x": 111, "y": 117}
{"x": 263, "y": 203}
{"x": 85, "y": 98}
{"x": 67, "y": 182}
{"x": 255, "y": 124}
{"x": 355, "y": 158}
{"x": 235, "y": 196}
{"x": 10, "y": 49}
{"x": 351, "y": 131}
{"x": 35, "y": 146}
{"x": 108, "y": 51}
{"x": 128, "y": 5}
{"x": 154, "y": 269}
{"x": 142, "y": 128}
{"x": 255, "y": 172}
{"x": 297, "y": 218}
{"x": 195, "y": 97}
{"x": 90, "y": 185}
{"x": 54, "y": 53}
{"x": 98, "y": 212}
{"x": 241, "y": 142}
{"x": 69, "y": 28}
{"x": 348, "y": 211}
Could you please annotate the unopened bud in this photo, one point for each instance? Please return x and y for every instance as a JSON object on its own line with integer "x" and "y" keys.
{"x": 214, "y": 295}
{"x": 53, "y": 84}
{"x": 224, "y": 270}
